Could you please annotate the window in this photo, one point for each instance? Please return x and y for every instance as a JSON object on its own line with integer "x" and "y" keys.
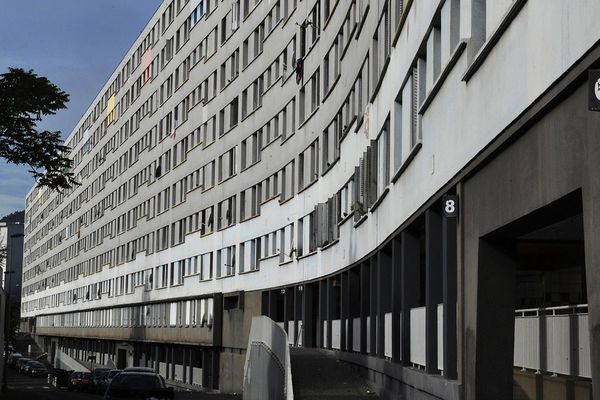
{"x": 398, "y": 137}
{"x": 227, "y": 164}
{"x": 480, "y": 25}
{"x": 226, "y": 261}
{"x": 226, "y": 213}
{"x": 383, "y": 159}
{"x": 235, "y": 14}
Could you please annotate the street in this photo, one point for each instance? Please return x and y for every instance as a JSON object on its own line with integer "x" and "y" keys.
{"x": 22, "y": 387}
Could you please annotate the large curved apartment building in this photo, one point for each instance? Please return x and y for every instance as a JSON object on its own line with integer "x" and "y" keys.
{"x": 411, "y": 184}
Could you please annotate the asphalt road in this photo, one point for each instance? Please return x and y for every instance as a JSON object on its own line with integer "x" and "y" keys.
{"x": 22, "y": 387}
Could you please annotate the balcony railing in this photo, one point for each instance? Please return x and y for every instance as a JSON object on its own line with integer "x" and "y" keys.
{"x": 554, "y": 340}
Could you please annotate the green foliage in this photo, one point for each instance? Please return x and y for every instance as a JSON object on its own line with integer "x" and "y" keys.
{"x": 24, "y": 99}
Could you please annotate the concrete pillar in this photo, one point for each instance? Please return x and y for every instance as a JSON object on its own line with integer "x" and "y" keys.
{"x": 353, "y": 305}
{"x": 365, "y": 307}
{"x": 409, "y": 271}
{"x": 215, "y": 368}
{"x": 206, "y": 368}
{"x": 396, "y": 298}
{"x": 449, "y": 254}
{"x": 591, "y": 218}
{"x": 298, "y": 296}
{"x": 191, "y": 365}
{"x": 171, "y": 368}
{"x": 289, "y": 312}
{"x": 184, "y": 362}
{"x": 374, "y": 273}
{"x": 264, "y": 303}
{"x": 321, "y": 340}
{"x": 330, "y": 310}
{"x": 384, "y": 261}
{"x": 433, "y": 286}
{"x": 344, "y": 315}
{"x": 273, "y": 305}
{"x": 307, "y": 316}
{"x": 495, "y": 327}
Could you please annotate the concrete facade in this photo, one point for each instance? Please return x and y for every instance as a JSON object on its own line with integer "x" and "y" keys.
{"x": 219, "y": 183}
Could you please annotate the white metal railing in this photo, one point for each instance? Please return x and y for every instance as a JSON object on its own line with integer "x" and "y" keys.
{"x": 554, "y": 339}
{"x": 387, "y": 332}
{"x": 356, "y": 334}
{"x": 417, "y": 336}
{"x": 336, "y": 327}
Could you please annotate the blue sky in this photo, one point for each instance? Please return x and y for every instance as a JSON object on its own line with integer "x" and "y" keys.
{"x": 76, "y": 44}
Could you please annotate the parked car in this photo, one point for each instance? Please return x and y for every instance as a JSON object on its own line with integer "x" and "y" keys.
{"x": 97, "y": 376}
{"x": 59, "y": 377}
{"x": 21, "y": 363}
{"x": 139, "y": 369}
{"x": 79, "y": 381}
{"x": 107, "y": 378}
{"x": 12, "y": 358}
{"x": 138, "y": 385}
{"x": 36, "y": 368}
{"x": 25, "y": 368}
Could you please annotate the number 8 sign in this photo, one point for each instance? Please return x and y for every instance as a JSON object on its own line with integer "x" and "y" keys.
{"x": 450, "y": 205}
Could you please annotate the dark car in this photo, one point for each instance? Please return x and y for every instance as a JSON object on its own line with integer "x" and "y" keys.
{"x": 27, "y": 366}
{"x": 139, "y": 369}
{"x": 79, "y": 381}
{"x": 97, "y": 377}
{"x": 12, "y": 358}
{"x": 59, "y": 377}
{"x": 138, "y": 385}
{"x": 20, "y": 364}
{"x": 36, "y": 368}
{"x": 107, "y": 379}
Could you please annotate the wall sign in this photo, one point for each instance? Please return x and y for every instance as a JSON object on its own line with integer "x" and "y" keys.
{"x": 594, "y": 89}
{"x": 450, "y": 206}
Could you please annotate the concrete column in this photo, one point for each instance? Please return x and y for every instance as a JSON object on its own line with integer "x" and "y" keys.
{"x": 322, "y": 313}
{"x": 396, "y": 298}
{"x": 264, "y": 303}
{"x": 330, "y": 310}
{"x": 191, "y": 365}
{"x": 409, "y": 271}
{"x": 307, "y": 316}
{"x": 184, "y": 363}
{"x": 365, "y": 307}
{"x": 591, "y": 221}
{"x": 298, "y": 295}
{"x": 206, "y": 369}
{"x": 384, "y": 261}
{"x": 353, "y": 304}
{"x": 449, "y": 254}
{"x": 495, "y": 327}
{"x": 218, "y": 320}
{"x": 344, "y": 314}
{"x": 172, "y": 362}
{"x": 273, "y": 305}
{"x": 374, "y": 273}
{"x": 215, "y": 368}
{"x": 289, "y": 312}
{"x": 433, "y": 286}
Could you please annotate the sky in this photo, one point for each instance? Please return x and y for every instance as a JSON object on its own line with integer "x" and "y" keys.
{"x": 76, "y": 44}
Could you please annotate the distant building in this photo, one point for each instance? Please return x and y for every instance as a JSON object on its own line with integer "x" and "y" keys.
{"x": 11, "y": 271}
{"x": 11, "y": 238}
{"x": 413, "y": 184}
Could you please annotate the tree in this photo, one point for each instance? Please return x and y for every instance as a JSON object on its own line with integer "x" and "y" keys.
{"x": 24, "y": 99}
